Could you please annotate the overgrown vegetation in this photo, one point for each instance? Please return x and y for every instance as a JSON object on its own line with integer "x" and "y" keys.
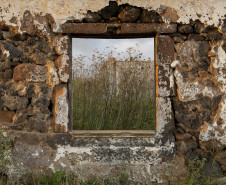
{"x": 5, "y": 154}
{"x": 113, "y": 95}
{"x": 195, "y": 176}
{"x": 59, "y": 178}
{"x": 5, "y": 150}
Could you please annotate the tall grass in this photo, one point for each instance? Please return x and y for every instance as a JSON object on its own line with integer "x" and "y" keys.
{"x": 106, "y": 98}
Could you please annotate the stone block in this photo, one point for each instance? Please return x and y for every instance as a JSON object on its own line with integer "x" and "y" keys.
{"x": 15, "y": 102}
{"x": 14, "y": 52}
{"x": 150, "y": 17}
{"x": 60, "y": 108}
{"x": 165, "y": 49}
{"x": 8, "y": 74}
{"x": 199, "y": 27}
{"x": 221, "y": 159}
{"x": 62, "y": 62}
{"x": 166, "y": 85}
{"x": 165, "y": 117}
{"x": 185, "y": 28}
{"x": 168, "y": 14}
{"x": 6, "y": 117}
{"x": 39, "y": 123}
{"x": 30, "y": 73}
{"x": 129, "y": 14}
{"x": 92, "y": 17}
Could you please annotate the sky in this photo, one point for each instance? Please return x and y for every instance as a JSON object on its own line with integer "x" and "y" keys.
{"x": 113, "y": 48}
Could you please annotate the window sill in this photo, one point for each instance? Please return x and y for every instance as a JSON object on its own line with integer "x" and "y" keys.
{"x": 113, "y": 133}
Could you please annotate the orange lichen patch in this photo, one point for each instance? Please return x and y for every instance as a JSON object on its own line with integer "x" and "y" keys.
{"x": 204, "y": 127}
{"x": 170, "y": 13}
{"x": 22, "y": 71}
{"x": 58, "y": 62}
{"x": 52, "y": 77}
{"x": 212, "y": 70}
{"x": 3, "y": 26}
{"x": 205, "y": 76}
{"x": 179, "y": 95}
{"x": 13, "y": 31}
{"x": 59, "y": 128}
{"x": 6, "y": 117}
{"x": 216, "y": 117}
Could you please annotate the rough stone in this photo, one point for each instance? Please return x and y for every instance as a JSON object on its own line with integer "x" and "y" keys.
{"x": 199, "y": 27}
{"x": 182, "y": 136}
{"x": 178, "y": 39}
{"x": 30, "y": 73}
{"x": 20, "y": 117}
{"x": 150, "y": 17}
{"x": 168, "y": 14}
{"x": 185, "y": 28}
{"x": 199, "y": 154}
{"x": 184, "y": 37}
{"x": 39, "y": 58}
{"x": 196, "y": 37}
{"x": 8, "y": 74}
{"x": 13, "y": 51}
{"x": 211, "y": 169}
{"x": 165, "y": 50}
{"x": 92, "y": 17}
{"x": 6, "y": 117}
{"x": 165, "y": 117}
{"x": 214, "y": 34}
{"x": 60, "y": 108}
{"x": 221, "y": 159}
{"x": 166, "y": 86}
{"x": 38, "y": 123}
{"x": 15, "y": 102}
{"x": 185, "y": 147}
{"x": 62, "y": 62}
{"x": 5, "y": 65}
{"x": 1, "y": 35}
{"x": 129, "y": 14}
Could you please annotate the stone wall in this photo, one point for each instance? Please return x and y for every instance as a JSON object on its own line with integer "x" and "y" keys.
{"x": 35, "y": 56}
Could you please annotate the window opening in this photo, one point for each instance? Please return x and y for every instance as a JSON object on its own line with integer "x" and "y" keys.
{"x": 113, "y": 84}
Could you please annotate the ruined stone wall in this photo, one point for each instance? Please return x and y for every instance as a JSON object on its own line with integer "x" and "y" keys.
{"x": 190, "y": 78}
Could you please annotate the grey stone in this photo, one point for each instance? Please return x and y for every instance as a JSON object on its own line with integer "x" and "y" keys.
{"x": 185, "y": 28}
{"x": 15, "y": 102}
{"x": 166, "y": 86}
{"x": 199, "y": 27}
{"x": 129, "y": 14}
{"x": 212, "y": 169}
{"x": 221, "y": 159}
{"x": 150, "y": 17}
{"x": 14, "y": 52}
{"x": 92, "y": 17}
{"x": 165, "y": 49}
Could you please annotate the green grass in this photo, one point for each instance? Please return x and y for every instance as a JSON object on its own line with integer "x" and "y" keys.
{"x": 101, "y": 104}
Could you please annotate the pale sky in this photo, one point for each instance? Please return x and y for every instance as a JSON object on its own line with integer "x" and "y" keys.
{"x": 113, "y": 48}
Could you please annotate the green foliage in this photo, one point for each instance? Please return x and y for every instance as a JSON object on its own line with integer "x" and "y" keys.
{"x": 55, "y": 179}
{"x": 195, "y": 173}
{"x": 5, "y": 150}
{"x": 103, "y": 101}
{"x": 59, "y": 178}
